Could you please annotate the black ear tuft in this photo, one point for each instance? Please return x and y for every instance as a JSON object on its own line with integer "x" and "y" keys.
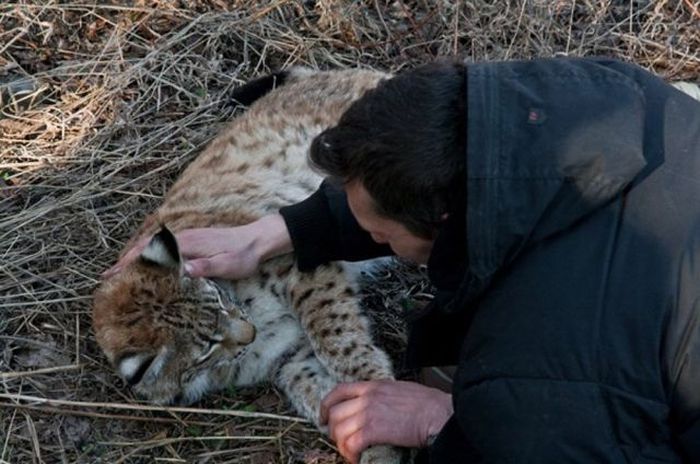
{"x": 162, "y": 250}
{"x": 169, "y": 241}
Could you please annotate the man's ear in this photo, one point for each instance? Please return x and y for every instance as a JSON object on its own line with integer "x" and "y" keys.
{"x": 162, "y": 251}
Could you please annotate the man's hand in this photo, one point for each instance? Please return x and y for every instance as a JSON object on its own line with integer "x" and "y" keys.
{"x": 227, "y": 252}
{"x": 388, "y": 412}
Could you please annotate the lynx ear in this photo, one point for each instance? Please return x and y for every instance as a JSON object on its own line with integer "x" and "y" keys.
{"x": 162, "y": 250}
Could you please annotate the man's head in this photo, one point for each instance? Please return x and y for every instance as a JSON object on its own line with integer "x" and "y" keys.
{"x": 384, "y": 230}
{"x": 404, "y": 144}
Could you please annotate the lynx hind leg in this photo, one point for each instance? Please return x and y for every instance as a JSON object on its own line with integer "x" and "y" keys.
{"x": 339, "y": 333}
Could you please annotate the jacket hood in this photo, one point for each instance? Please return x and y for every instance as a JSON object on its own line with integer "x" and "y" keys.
{"x": 549, "y": 142}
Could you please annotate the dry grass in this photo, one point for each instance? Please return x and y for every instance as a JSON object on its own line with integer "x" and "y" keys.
{"x": 102, "y": 106}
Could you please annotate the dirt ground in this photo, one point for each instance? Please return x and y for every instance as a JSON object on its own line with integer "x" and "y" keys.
{"x": 102, "y": 106}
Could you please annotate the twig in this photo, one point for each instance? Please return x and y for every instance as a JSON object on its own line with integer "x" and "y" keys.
{"x": 693, "y": 8}
{"x": 98, "y": 415}
{"x": 47, "y": 370}
{"x": 169, "y": 441}
{"x": 138, "y": 407}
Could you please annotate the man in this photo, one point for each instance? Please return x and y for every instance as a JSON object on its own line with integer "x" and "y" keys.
{"x": 555, "y": 203}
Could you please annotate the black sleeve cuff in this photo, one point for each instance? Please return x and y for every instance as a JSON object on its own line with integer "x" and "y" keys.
{"x": 311, "y": 229}
{"x": 323, "y": 229}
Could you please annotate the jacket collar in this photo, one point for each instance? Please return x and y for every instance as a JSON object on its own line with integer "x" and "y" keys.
{"x": 550, "y": 141}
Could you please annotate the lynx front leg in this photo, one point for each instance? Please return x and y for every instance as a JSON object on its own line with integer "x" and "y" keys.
{"x": 306, "y": 382}
{"x": 381, "y": 455}
{"x": 338, "y": 332}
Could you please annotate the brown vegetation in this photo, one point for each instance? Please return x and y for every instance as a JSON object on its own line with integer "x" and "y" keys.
{"x": 100, "y": 109}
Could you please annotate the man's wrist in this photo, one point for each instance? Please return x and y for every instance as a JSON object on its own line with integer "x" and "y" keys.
{"x": 271, "y": 237}
{"x": 442, "y": 414}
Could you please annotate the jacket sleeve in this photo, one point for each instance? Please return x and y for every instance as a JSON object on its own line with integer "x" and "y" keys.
{"x": 323, "y": 229}
{"x": 683, "y": 355}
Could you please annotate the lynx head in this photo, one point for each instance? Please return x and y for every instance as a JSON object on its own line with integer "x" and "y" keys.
{"x": 171, "y": 337}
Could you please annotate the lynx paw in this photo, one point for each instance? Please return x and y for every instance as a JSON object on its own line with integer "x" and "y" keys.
{"x": 381, "y": 455}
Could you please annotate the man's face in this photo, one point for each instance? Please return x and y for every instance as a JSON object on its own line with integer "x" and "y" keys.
{"x": 383, "y": 230}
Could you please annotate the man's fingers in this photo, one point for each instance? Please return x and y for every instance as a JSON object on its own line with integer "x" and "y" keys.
{"x": 341, "y": 393}
{"x": 346, "y": 418}
{"x": 200, "y": 267}
{"x": 349, "y": 432}
{"x": 347, "y": 411}
{"x": 221, "y": 265}
{"x": 355, "y": 444}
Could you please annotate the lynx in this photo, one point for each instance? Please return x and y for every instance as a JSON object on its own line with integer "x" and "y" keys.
{"x": 174, "y": 338}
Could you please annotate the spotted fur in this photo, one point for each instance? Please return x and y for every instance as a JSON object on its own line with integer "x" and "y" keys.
{"x": 175, "y": 338}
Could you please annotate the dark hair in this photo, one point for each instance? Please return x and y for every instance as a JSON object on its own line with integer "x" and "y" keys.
{"x": 405, "y": 142}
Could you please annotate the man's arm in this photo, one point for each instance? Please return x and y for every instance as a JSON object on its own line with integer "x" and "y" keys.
{"x": 318, "y": 230}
